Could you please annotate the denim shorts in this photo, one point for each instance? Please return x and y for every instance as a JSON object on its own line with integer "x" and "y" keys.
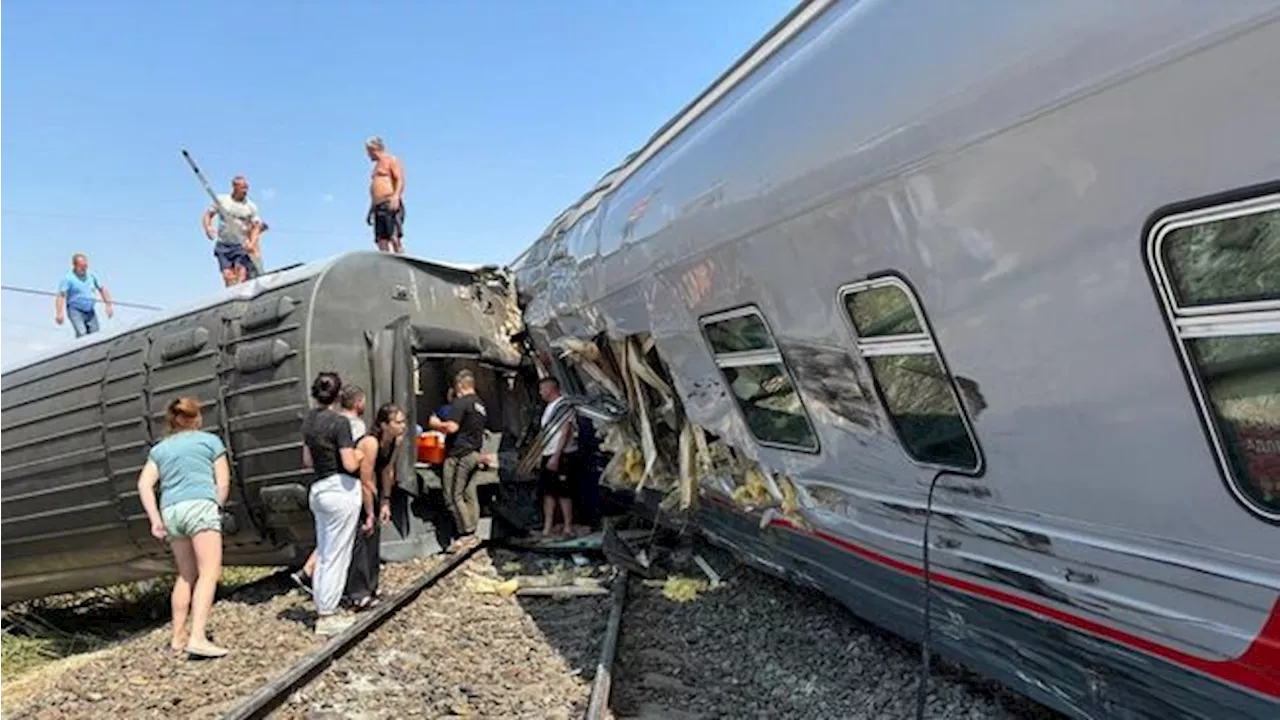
{"x": 189, "y": 517}
{"x": 230, "y": 255}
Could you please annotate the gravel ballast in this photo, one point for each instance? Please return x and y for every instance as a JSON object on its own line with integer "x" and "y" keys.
{"x": 458, "y": 653}
{"x": 755, "y": 647}
{"x": 267, "y": 627}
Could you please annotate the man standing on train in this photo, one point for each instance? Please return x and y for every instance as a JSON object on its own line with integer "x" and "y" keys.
{"x": 386, "y": 197}
{"x": 75, "y": 297}
{"x": 236, "y": 240}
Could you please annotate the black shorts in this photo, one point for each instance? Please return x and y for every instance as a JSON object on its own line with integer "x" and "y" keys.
{"x": 559, "y": 484}
{"x": 388, "y": 224}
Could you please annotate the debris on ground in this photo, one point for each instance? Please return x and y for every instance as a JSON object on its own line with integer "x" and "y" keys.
{"x": 453, "y": 653}
{"x": 679, "y": 589}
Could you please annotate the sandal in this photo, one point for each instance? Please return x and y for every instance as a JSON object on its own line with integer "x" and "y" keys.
{"x": 207, "y": 651}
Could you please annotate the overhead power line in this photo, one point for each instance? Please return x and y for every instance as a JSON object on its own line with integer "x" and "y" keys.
{"x": 193, "y": 227}
{"x": 50, "y": 293}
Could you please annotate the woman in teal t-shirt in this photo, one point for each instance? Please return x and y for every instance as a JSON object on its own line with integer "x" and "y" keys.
{"x": 194, "y": 476}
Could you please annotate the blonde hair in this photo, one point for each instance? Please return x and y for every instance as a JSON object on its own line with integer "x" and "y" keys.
{"x": 183, "y": 414}
{"x": 375, "y": 142}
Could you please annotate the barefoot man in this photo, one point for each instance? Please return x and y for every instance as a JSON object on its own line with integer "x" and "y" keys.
{"x": 238, "y": 234}
{"x": 386, "y": 197}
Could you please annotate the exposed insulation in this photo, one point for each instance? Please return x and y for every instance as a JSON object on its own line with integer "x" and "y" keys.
{"x": 659, "y": 448}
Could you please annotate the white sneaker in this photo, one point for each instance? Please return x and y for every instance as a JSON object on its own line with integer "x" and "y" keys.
{"x": 329, "y": 625}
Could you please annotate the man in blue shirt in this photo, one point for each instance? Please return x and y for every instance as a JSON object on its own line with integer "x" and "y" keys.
{"x": 75, "y": 297}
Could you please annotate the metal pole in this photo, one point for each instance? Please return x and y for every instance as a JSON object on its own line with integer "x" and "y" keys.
{"x": 604, "y": 668}
{"x": 50, "y": 293}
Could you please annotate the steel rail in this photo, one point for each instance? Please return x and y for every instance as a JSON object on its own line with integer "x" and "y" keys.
{"x": 603, "y": 682}
{"x": 272, "y": 694}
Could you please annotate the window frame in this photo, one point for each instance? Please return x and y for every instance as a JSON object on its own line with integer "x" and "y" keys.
{"x": 1185, "y": 323}
{"x": 752, "y": 358}
{"x": 921, "y": 343}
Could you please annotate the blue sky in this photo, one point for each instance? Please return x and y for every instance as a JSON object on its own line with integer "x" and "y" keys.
{"x": 503, "y": 112}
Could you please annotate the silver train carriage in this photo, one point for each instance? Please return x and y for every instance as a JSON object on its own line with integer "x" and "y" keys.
{"x": 78, "y": 422}
{"x": 1005, "y": 270}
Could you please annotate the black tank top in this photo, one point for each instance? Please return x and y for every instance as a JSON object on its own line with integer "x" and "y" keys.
{"x": 382, "y": 461}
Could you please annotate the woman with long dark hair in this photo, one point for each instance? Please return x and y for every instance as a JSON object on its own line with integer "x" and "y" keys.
{"x": 330, "y": 450}
{"x": 191, "y": 468}
{"x": 377, "y": 477}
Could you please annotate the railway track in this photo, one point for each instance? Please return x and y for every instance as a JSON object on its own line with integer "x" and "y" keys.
{"x": 272, "y": 695}
{"x": 445, "y": 644}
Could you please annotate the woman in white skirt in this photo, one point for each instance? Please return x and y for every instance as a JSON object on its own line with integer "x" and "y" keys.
{"x": 328, "y": 448}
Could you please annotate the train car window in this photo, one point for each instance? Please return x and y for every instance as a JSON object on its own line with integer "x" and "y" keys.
{"x": 758, "y": 377}
{"x": 1218, "y": 274}
{"x": 738, "y": 334}
{"x": 910, "y": 376}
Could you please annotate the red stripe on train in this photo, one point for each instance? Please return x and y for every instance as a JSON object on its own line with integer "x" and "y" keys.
{"x": 1257, "y": 669}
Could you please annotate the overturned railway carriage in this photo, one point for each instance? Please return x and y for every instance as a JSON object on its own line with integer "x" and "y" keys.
{"x": 79, "y": 422}
{"x": 1007, "y": 271}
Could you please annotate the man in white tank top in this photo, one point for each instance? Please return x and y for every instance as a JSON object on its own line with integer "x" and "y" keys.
{"x": 559, "y": 474}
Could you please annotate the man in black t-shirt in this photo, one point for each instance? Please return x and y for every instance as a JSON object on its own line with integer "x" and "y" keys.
{"x": 465, "y": 429}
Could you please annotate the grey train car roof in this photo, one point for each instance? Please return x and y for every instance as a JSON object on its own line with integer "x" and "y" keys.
{"x": 244, "y": 291}
{"x": 795, "y": 21}
{"x": 78, "y": 421}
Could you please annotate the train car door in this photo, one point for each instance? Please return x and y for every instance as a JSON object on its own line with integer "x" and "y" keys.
{"x": 391, "y": 378}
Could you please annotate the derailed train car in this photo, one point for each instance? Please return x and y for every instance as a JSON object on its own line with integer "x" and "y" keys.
{"x": 983, "y": 294}
{"x": 78, "y": 423}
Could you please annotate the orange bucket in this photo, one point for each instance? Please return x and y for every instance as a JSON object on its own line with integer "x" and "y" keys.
{"x": 431, "y": 448}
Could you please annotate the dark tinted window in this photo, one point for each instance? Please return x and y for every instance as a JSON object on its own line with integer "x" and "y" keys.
{"x": 1220, "y": 277}
{"x": 771, "y": 405}
{"x": 738, "y": 334}
{"x": 918, "y": 395}
{"x": 923, "y": 407}
{"x": 884, "y": 310}
{"x": 1241, "y": 376}
{"x": 760, "y": 384}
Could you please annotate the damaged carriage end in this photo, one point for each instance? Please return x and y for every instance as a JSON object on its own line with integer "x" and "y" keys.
{"x": 655, "y": 447}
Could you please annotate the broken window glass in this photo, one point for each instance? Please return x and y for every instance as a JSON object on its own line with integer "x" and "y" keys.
{"x": 919, "y": 396}
{"x": 1236, "y": 259}
{"x": 760, "y": 381}
{"x": 1219, "y": 271}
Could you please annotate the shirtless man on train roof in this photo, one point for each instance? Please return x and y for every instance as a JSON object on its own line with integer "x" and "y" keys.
{"x": 386, "y": 197}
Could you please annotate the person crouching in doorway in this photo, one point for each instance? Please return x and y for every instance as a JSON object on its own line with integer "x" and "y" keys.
{"x": 559, "y": 462}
